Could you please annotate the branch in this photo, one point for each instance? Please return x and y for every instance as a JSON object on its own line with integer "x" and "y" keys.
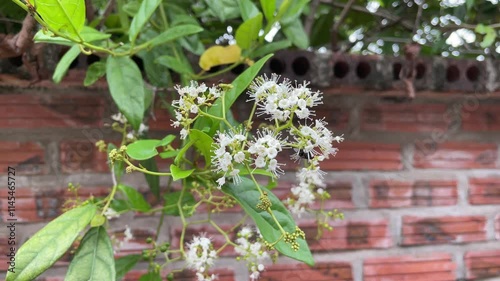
{"x": 90, "y": 11}
{"x": 336, "y": 25}
{"x": 107, "y": 12}
{"x": 310, "y": 18}
{"x": 15, "y": 45}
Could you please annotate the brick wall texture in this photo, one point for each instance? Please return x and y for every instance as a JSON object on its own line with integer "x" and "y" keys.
{"x": 417, "y": 180}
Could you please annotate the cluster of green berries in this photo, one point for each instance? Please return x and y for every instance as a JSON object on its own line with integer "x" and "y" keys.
{"x": 265, "y": 202}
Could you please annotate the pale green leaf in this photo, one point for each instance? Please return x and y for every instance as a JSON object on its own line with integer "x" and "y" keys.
{"x": 166, "y": 140}
{"x": 247, "y": 9}
{"x": 134, "y": 198}
{"x": 175, "y": 64}
{"x": 248, "y": 31}
{"x": 44, "y": 248}
{"x": 271, "y": 48}
{"x": 97, "y": 220}
{"x": 142, "y": 149}
{"x": 174, "y": 33}
{"x": 94, "y": 259}
{"x": 127, "y": 88}
{"x": 63, "y": 65}
{"x": 295, "y": 32}
{"x": 65, "y": 16}
{"x": 142, "y": 17}
{"x": 268, "y": 7}
{"x": 178, "y": 173}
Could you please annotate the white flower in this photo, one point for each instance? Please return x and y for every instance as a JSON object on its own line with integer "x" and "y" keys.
{"x": 128, "y": 234}
{"x": 253, "y": 252}
{"x": 110, "y": 213}
{"x": 315, "y": 141}
{"x": 118, "y": 117}
{"x": 200, "y": 256}
{"x": 265, "y": 148}
{"x": 142, "y": 129}
{"x": 228, "y": 151}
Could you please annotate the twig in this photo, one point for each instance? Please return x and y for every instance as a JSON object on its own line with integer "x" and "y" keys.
{"x": 90, "y": 11}
{"x": 336, "y": 25}
{"x": 107, "y": 11}
{"x": 310, "y": 18}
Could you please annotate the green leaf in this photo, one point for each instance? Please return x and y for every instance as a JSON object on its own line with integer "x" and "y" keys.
{"x": 120, "y": 205}
{"x": 125, "y": 264}
{"x": 142, "y": 17}
{"x": 175, "y": 64}
{"x": 293, "y": 12}
{"x": 193, "y": 44}
{"x": 94, "y": 72}
{"x": 248, "y": 9}
{"x": 171, "y": 208}
{"x": 65, "y": 62}
{"x": 248, "y": 31}
{"x": 178, "y": 173}
{"x": 295, "y": 32}
{"x": 87, "y": 33}
{"x": 131, "y": 8}
{"x": 97, "y": 220}
{"x": 150, "y": 276}
{"x": 239, "y": 85}
{"x": 142, "y": 149}
{"x": 127, "y": 88}
{"x": 94, "y": 258}
{"x": 64, "y": 16}
{"x": 268, "y": 7}
{"x": 174, "y": 33}
{"x": 153, "y": 180}
{"x": 247, "y": 194}
{"x": 166, "y": 140}
{"x": 44, "y": 248}
{"x": 271, "y": 48}
{"x": 169, "y": 154}
{"x": 134, "y": 198}
{"x": 488, "y": 39}
{"x": 203, "y": 142}
{"x": 470, "y": 4}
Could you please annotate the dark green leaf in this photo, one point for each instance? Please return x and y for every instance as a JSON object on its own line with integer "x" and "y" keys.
{"x": 174, "y": 33}
{"x": 247, "y": 194}
{"x": 127, "y": 88}
{"x": 248, "y": 31}
{"x": 134, "y": 198}
{"x": 142, "y": 149}
{"x": 178, "y": 173}
{"x": 120, "y": 205}
{"x": 174, "y": 64}
{"x": 125, "y": 264}
{"x": 247, "y": 9}
{"x": 295, "y": 32}
{"x": 171, "y": 208}
{"x": 94, "y": 259}
{"x": 65, "y": 62}
{"x": 153, "y": 180}
{"x": 271, "y": 48}
{"x": 203, "y": 142}
{"x": 142, "y": 17}
{"x": 268, "y": 7}
{"x": 94, "y": 72}
{"x": 44, "y": 248}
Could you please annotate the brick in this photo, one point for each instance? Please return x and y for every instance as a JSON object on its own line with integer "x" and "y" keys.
{"x": 161, "y": 121}
{"x": 134, "y": 245}
{"x": 43, "y": 205}
{"x": 397, "y": 194}
{"x": 364, "y": 156}
{"x": 443, "y": 230}
{"x": 455, "y": 156}
{"x": 331, "y": 271}
{"x": 483, "y": 118}
{"x": 435, "y": 267}
{"x": 497, "y": 227}
{"x": 82, "y": 156}
{"x": 482, "y": 264}
{"x": 27, "y": 158}
{"x": 51, "y": 111}
{"x": 218, "y": 240}
{"x": 349, "y": 235}
{"x": 186, "y": 275}
{"x": 405, "y": 118}
{"x": 484, "y": 191}
{"x": 337, "y": 117}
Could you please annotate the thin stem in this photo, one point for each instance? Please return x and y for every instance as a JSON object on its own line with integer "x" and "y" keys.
{"x": 145, "y": 170}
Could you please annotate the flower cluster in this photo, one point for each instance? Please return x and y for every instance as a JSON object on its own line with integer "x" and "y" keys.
{"x": 282, "y": 101}
{"x": 228, "y": 152}
{"x": 265, "y": 148}
{"x": 200, "y": 257}
{"x": 121, "y": 119}
{"x": 187, "y": 107}
{"x": 253, "y": 252}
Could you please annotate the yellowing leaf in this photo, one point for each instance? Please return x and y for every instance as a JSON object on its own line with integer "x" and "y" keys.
{"x": 218, "y": 55}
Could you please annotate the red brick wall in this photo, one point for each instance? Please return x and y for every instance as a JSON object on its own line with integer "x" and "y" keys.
{"x": 418, "y": 182}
